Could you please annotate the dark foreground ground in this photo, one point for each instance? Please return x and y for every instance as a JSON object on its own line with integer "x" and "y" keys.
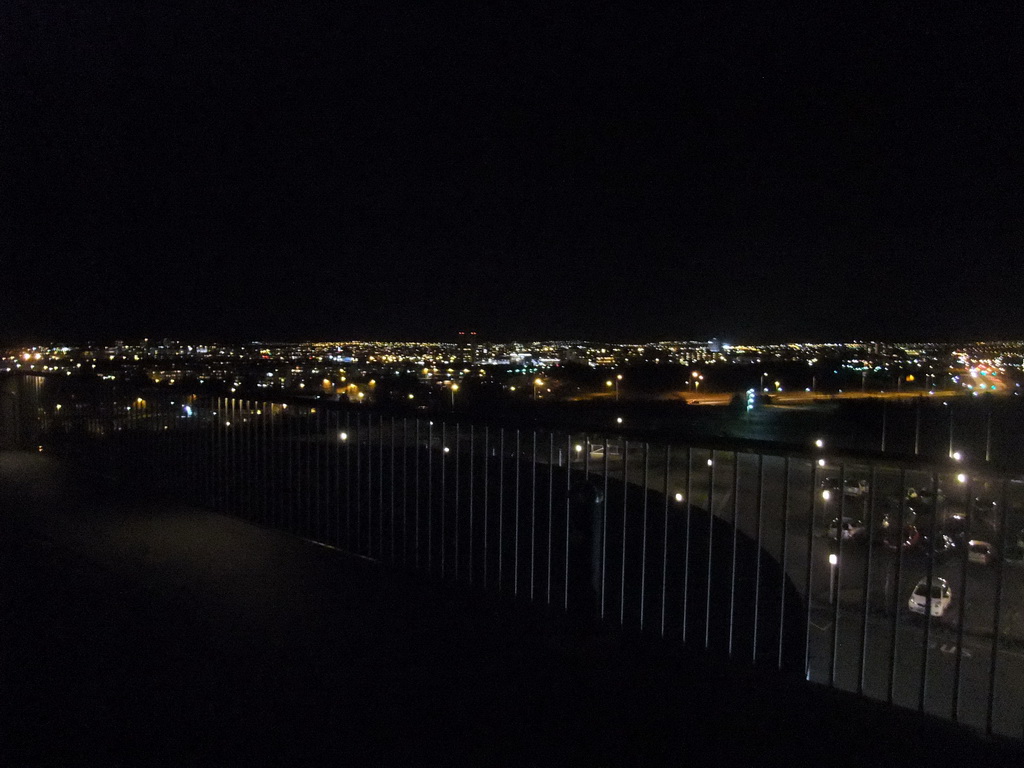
{"x": 139, "y": 632}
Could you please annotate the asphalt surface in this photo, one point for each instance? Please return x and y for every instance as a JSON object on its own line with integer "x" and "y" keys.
{"x": 138, "y": 631}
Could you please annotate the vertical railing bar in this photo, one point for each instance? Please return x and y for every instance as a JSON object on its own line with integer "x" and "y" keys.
{"x": 1004, "y": 498}
{"x": 251, "y": 475}
{"x": 333, "y": 496}
{"x": 810, "y": 560}
{"x": 416, "y": 491}
{"x": 253, "y": 461}
{"x": 300, "y": 468}
{"x": 472, "y": 533}
{"x": 394, "y": 494}
{"x": 689, "y": 515}
{"x": 894, "y": 632}
{"x": 323, "y": 471}
{"x": 308, "y": 466}
{"x": 923, "y": 691}
{"x": 369, "y": 462}
{"x": 643, "y": 551}
{"x": 533, "y": 515}
{"x": 962, "y": 601}
{"x": 487, "y": 474}
{"x": 757, "y": 554}
{"x": 455, "y": 548}
{"x": 430, "y": 496}
{"x": 314, "y": 454}
{"x": 866, "y": 587}
{"x": 237, "y": 455}
{"x": 292, "y": 485}
{"x": 288, "y": 427}
{"x": 625, "y": 517}
{"x": 223, "y": 416}
{"x": 836, "y": 572}
{"x": 568, "y": 490}
{"x": 271, "y": 477}
{"x": 358, "y": 437}
{"x": 501, "y": 506}
{"x": 515, "y": 549}
{"x": 444, "y": 500}
{"x": 664, "y": 541}
{"x": 604, "y": 528}
{"x": 348, "y": 482}
{"x": 735, "y": 536}
{"x": 405, "y": 491}
{"x": 785, "y": 561}
{"x": 297, "y": 467}
{"x": 711, "y": 546}
{"x": 380, "y": 488}
{"x": 551, "y": 481}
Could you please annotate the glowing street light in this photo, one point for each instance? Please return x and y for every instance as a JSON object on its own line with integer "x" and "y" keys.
{"x": 536, "y": 383}
{"x": 455, "y": 388}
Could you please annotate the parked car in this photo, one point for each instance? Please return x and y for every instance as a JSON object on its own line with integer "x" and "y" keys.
{"x": 944, "y": 544}
{"x": 830, "y": 487}
{"x": 910, "y": 538}
{"x": 980, "y": 552}
{"x": 956, "y": 525}
{"x": 925, "y": 495}
{"x": 852, "y": 528}
{"x": 939, "y": 596}
{"x": 923, "y": 502}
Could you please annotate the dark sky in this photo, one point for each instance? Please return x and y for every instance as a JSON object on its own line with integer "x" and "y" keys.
{"x": 750, "y": 171}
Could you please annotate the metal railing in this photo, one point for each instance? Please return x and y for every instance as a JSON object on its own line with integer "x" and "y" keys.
{"x": 802, "y": 561}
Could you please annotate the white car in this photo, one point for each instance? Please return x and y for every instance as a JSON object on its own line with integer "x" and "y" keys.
{"x": 941, "y": 597}
{"x": 980, "y": 552}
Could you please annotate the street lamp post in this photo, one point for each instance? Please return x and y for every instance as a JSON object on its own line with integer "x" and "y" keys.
{"x": 618, "y": 378}
{"x": 950, "y": 431}
{"x": 917, "y": 427}
{"x": 833, "y": 561}
{"x": 988, "y": 434}
{"x": 455, "y": 388}
{"x": 883, "y": 425}
{"x": 536, "y": 383}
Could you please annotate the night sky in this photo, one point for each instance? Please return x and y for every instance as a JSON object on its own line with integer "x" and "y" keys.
{"x": 752, "y": 172}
